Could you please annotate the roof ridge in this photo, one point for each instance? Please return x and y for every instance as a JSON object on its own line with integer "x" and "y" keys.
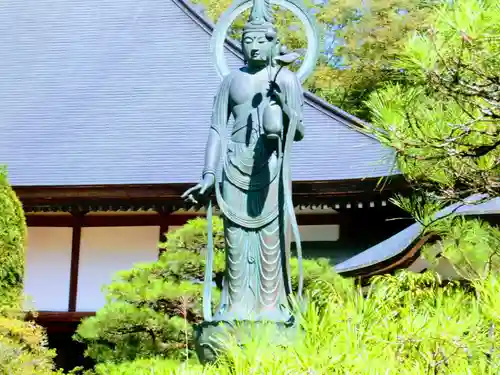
{"x": 330, "y": 110}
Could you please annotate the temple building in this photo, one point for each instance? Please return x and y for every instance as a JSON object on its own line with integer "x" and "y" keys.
{"x": 100, "y": 139}
{"x": 104, "y": 114}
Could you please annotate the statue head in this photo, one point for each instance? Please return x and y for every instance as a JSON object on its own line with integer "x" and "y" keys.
{"x": 260, "y": 38}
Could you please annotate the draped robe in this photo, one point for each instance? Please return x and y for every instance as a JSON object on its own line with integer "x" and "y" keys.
{"x": 251, "y": 198}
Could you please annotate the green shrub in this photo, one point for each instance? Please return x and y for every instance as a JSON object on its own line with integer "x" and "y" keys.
{"x": 406, "y": 324}
{"x": 400, "y": 324}
{"x": 12, "y": 241}
{"x": 23, "y": 345}
{"x": 151, "y": 308}
{"x": 471, "y": 246}
{"x": 152, "y": 366}
{"x": 193, "y": 237}
{"x": 403, "y": 324}
{"x": 23, "y": 349}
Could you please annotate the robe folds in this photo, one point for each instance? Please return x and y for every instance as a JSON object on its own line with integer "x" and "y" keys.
{"x": 251, "y": 197}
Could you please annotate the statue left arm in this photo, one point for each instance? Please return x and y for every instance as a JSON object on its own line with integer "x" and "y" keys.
{"x": 220, "y": 115}
{"x": 293, "y": 98}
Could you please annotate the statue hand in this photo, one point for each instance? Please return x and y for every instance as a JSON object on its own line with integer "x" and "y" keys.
{"x": 200, "y": 189}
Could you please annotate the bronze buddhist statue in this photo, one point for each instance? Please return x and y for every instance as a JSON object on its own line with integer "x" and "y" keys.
{"x": 265, "y": 101}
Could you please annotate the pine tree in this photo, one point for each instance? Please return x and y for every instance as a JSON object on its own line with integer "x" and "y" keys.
{"x": 445, "y": 126}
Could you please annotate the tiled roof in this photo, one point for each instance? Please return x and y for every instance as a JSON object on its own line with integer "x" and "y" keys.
{"x": 395, "y": 245}
{"x": 96, "y": 92}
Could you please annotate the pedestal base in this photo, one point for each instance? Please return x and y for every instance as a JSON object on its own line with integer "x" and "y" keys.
{"x": 213, "y": 338}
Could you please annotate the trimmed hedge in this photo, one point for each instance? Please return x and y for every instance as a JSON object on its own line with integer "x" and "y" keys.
{"x": 23, "y": 349}
{"x": 13, "y": 233}
{"x": 23, "y": 345}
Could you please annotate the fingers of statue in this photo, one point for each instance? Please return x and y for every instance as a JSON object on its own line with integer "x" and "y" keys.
{"x": 199, "y": 190}
{"x": 190, "y": 191}
{"x": 191, "y": 199}
{"x": 204, "y": 188}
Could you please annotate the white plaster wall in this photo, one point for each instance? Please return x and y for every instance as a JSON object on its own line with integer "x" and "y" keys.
{"x": 309, "y": 233}
{"x": 47, "y": 271}
{"x": 104, "y": 251}
{"x": 317, "y": 233}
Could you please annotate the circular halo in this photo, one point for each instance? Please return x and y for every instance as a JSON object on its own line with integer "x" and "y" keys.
{"x": 238, "y": 7}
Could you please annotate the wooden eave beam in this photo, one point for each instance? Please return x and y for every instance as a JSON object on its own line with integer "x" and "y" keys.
{"x": 174, "y": 191}
{"x": 167, "y": 197}
{"x": 117, "y": 220}
{"x": 50, "y": 317}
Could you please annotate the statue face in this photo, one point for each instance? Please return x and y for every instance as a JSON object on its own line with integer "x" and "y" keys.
{"x": 257, "y": 47}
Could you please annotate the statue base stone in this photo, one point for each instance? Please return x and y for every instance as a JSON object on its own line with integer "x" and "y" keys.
{"x": 212, "y": 339}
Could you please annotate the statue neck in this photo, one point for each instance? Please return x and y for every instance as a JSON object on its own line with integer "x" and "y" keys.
{"x": 254, "y": 68}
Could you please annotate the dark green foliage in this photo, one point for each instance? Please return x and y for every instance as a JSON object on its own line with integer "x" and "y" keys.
{"x": 148, "y": 366}
{"x": 23, "y": 349}
{"x": 151, "y": 308}
{"x": 445, "y": 125}
{"x": 361, "y": 41}
{"x": 23, "y": 345}
{"x": 193, "y": 237}
{"x": 402, "y": 324}
{"x": 471, "y": 246}
{"x": 150, "y": 312}
{"x": 12, "y": 241}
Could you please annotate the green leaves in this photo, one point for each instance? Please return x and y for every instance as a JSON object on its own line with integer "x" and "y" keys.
{"x": 445, "y": 127}
{"x": 23, "y": 349}
{"x": 403, "y": 324}
{"x": 12, "y": 241}
{"x": 472, "y": 247}
{"x": 23, "y": 345}
{"x": 150, "y": 308}
{"x": 193, "y": 236}
{"x": 361, "y": 44}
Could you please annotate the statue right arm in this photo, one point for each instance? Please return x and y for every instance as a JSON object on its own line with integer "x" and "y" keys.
{"x": 212, "y": 152}
{"x": 220, "y": 116}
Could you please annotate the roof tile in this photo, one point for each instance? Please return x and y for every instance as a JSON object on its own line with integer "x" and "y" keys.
{"x": 97, "y": 92}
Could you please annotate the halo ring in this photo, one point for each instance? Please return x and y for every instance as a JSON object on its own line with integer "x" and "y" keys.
{"x": 238, "y": 7}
